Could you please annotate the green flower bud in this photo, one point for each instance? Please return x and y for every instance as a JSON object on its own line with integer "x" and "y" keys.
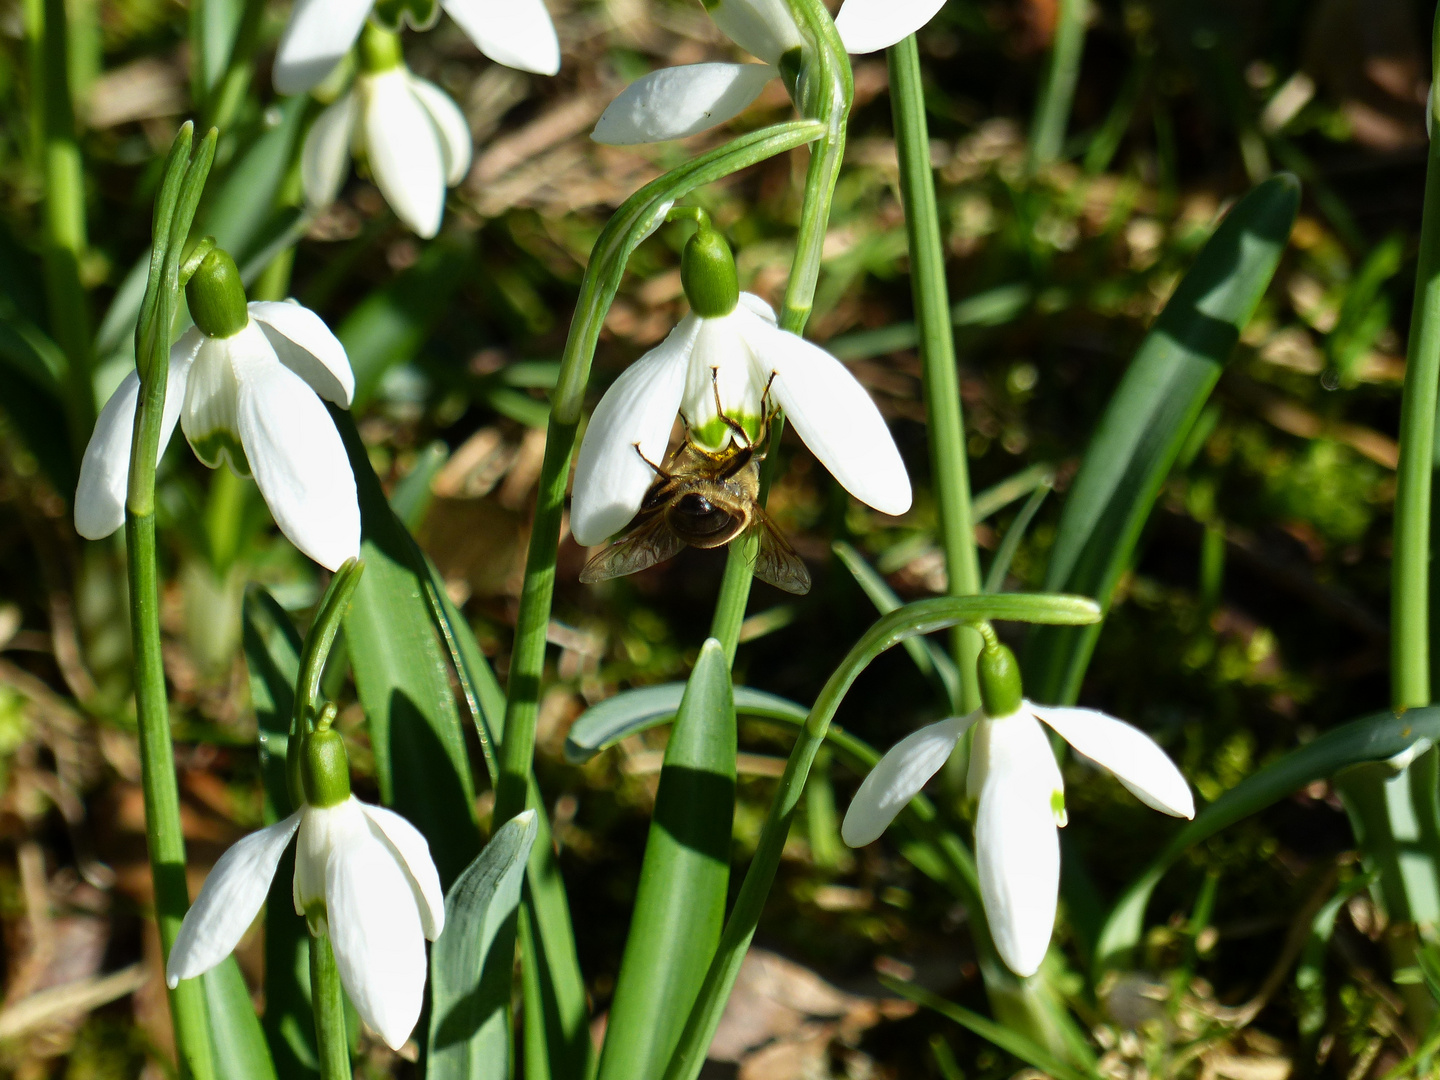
{"x": 707, "y": 270}
{"x": 999, "y": 674}
{"x": 379, "y": 50}
{"x": 324, "y": 765}
{"x": 216, "y": 296}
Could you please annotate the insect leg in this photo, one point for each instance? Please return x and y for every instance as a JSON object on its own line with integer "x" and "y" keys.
{"x": 658, "y": 470}
{"x": 733, "y": 425}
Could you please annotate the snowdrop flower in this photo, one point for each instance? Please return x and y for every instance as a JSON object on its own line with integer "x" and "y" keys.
{"x": 727, "y": 359}
{"x": 675, "y": 102}
{"x": 416, "y": 139}
{"x": 245, "y": 385}
{"x": 517, "y": 33}
{"x": 363, "y": 877}
{"x": 1021, "y": 795}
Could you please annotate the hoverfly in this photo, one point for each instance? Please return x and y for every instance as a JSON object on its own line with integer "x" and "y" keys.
{"x": 704, "y": 500}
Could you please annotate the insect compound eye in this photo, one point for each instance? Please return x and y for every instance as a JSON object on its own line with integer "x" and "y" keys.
{"x": 698, "y": 516}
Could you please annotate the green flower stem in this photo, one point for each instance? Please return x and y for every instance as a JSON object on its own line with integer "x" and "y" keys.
{"x": 329, "y": 1003}
{"x": 1057, "y": 92}
{"x": 829, "y": 88}
{"x": 175, "y": 208}
{"x": 922, "y": 617}
{"x": 937, "y": 346}
{"x": 65, "y": 234}
{"x": 1410, "y": 568}
{"x": 640, "y": 215}
{"x": 1394, "y": 816}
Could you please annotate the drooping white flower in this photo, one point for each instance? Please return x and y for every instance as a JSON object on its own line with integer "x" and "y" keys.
{"x": 735, "y": 356}
{"x": 416, "y": 139}
{"x": 248, "y": 394}
{"x": 363, "y": 876}
{"x": 1021, "y": 797}
{"x": 675, "y": 102}
{"x": 518, "y": 34}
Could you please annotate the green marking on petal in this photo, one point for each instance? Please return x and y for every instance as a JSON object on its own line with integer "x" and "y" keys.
{"x": 222, "y": 447}
{"x": 1057, "y": 807}
{"x": 715, "y": 434}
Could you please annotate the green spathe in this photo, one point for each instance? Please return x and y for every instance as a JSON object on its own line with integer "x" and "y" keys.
{"x": 707, "y": 270}
{"x": 324, "y": 767}
{"x": 217, "y": 297}
{"x": 999, "y": 677}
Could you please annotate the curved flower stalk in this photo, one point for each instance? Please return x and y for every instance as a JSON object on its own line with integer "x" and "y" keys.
{"x": 723, "y": 367}
{"x": 1021, "y": 795}
{"x": 517, "y": 33}
{"x": 675, "y": 102}
{"x": 414, "y": 137}
{"x": 363, "y": 878}
{"x": 245, "y": 385}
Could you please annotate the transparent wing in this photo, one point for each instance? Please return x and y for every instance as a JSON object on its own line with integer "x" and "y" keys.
{"x": 776, "y": 562}
{"x": 650, "y": 543}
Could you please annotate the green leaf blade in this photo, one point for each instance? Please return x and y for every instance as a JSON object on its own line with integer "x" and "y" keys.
{"x": 680, "y": 905}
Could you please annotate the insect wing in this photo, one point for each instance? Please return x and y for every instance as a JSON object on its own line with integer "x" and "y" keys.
{"x": 776, "y": 562}
{"x": 651, "y": 543}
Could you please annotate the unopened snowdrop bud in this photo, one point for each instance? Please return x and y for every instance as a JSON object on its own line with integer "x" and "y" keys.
{"x": 1020, "y": 794}
{"x": 707, "y": 271}
{"x": 216, "y": 296}
{"x": 245, "y": 385}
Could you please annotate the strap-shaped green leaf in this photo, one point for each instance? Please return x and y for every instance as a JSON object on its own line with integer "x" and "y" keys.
{"x": 680, "y": 903}
{"x": 472, "y": 961}
{"x": 272, "y": 653}
{"x": 1148, "y": 418}
{"x": 1369, "y": 739}
{"x": 402, "y": 679}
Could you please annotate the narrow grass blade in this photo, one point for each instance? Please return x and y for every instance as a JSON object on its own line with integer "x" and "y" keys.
{"x": 680, "y": 903}
{"x": 1370, "y": 739}
{"x": 1007, "y": 1039}
{"x": 1148, "y": 418}
{"x": 471, "y": 966}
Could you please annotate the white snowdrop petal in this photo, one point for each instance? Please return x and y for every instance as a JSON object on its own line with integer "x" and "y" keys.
{"x": 898, "y": 777}
{"x": 678, "y": 101}
{"x": 868, "y": 26}
{"x": 307, "y": 347}
{"x": 1017, "y": 845}
{"x": 1135, "y": 759}
{"x": 211, "y": 392}
{"x": 298, "y": 461}
{"x": 404, "y": 151}
{"x": 374, "y": 928}
{"x": 450, "y": 125}
{"x": 318, "y": 34}
{"x": 105, "y": 469}
{"x": 516, "y": 33}
{"x": 413, "y": 851}
{"x": 833, "y": 415}
{"x": 763, "y": 28}
{"x": 229, "y": 901}
{"x": 638, "y": 410}
{"x": 325, "y": 157}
